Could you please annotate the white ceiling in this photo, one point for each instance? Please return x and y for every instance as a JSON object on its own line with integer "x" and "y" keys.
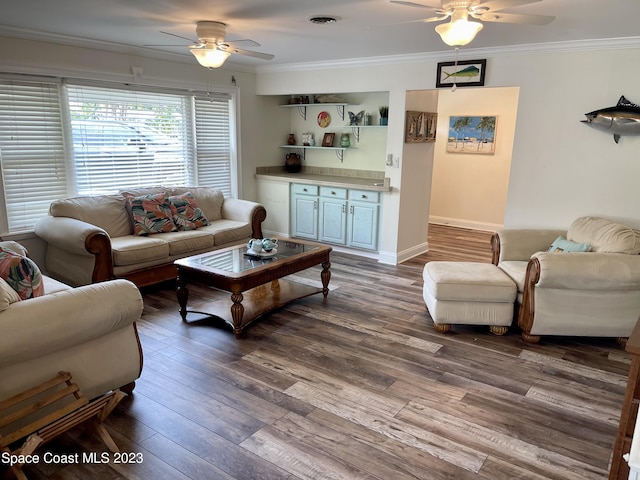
{"x": 366, "y": 28}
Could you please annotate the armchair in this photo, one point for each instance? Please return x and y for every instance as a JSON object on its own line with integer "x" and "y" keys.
{"x": 595, "y": 293}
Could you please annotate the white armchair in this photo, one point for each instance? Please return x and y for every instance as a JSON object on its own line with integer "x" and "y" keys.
{"x": 595, "y": 293}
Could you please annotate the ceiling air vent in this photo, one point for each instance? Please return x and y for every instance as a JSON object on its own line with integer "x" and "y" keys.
{"x": 322, "y": 19}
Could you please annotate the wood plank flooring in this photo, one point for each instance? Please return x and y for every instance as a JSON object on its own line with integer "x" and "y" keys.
{"x": 359, "y": 386}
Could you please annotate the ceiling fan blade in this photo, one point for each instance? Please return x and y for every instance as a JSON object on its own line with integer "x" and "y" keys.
{"x": 503, "y": 4}
{"x": 246, "y": 41}
{"x": 249, "y": 53}
{"x": 161, "y": 45}
{"x": 514, "y": 18}
{"x": 439, "y": 18}
{"x": 179, "y": 36}
{"x": 410, "y": 4}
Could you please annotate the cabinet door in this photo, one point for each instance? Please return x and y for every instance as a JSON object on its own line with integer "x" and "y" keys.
{"x": 304, "y": 218}
{"x": 363, "y": 225}
{"x": 333, "y": 220}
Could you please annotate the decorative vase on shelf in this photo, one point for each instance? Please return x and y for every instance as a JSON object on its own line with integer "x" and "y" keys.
{"x": 384, "y": 115}
{"x": 292, "y": 163}
{"x": 345, "y": 142}
{"x": 292, "y": 139}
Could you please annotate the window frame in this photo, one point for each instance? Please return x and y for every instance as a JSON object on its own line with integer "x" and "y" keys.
{"x": 189, "y": 116}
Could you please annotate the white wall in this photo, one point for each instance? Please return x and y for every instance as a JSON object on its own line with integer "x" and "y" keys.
{"x": 560, "y": 169}
{"x": 470, "y": 190}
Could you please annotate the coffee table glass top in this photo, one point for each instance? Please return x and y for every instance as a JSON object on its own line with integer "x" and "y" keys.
{"x": 236, "y": 260}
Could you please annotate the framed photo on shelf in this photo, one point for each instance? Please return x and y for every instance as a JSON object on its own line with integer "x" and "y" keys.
{"x": 327, "y": 140}
{"x": 466, "y": 73}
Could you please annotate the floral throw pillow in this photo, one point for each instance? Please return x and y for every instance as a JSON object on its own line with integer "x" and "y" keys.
{"x": 151, "y": 214}
{"x": 187, "y": 215}
{"x": 22, "y": 274}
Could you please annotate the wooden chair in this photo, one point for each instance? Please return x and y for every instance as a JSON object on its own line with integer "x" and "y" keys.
{"x": 34, "y": 406}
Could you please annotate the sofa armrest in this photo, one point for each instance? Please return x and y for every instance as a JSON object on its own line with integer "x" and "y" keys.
{"x": 520, "y": 244}
{"x": 245, "y": 211}
{"x": 586, "y": 271}
{"x": 79, "y": 238}
{"x": 42, "y": 325}
{"x": 66, "y": 233}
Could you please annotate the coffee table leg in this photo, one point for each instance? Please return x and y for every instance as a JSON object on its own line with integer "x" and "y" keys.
{"x": 183, "y": 295}
{"x": 237, "y": 312}
{"x": 325, "y": 276}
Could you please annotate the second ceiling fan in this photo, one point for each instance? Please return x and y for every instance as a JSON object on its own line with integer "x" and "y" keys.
{"x": 460, "y": 31}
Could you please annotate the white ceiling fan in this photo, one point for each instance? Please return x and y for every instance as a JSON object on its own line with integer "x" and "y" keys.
{"x": 211, "y": 49}
{"x": 460, "y": 31}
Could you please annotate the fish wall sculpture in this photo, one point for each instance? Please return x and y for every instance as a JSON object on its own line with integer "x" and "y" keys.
{"x": 622, "y": 119}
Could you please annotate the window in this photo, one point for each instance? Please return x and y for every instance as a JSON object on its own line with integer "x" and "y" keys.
{"x": 59, "y": 140}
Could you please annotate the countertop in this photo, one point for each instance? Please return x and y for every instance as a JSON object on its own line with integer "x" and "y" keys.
{"x": 353, "y": 181}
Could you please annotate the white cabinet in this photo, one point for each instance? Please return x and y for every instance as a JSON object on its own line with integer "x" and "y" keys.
{"x": 304, "y": 211}
{"x": 362, "y": 228}
{"x": 335, "y": 215}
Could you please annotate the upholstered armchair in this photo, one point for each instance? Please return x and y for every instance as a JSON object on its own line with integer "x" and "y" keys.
{"x": 593, "y": 293}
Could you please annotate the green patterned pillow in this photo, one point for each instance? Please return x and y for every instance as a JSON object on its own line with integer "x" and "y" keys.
{"x": 22, "y": 274}
{"x": 151, "y": 214}
{"x": 187, "y": 215}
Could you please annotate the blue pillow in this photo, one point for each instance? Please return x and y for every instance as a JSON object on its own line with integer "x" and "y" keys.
{"x": 561, "y": 244}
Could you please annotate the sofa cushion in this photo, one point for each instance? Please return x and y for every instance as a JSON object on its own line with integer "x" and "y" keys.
{"x": 561, "y": 244}
{"x": 210, "y": 200}
{"x": 186, "y": 213}
{"x": 228, "y": 231}
{"x": 7, "y": 295}
{"x": 132, "y": 249}
{"x": 22, "y": 274}
{"x": 516, "y": 270}
{"x": 187, "y": 241}
{"x": 151, "y": 214}
{"x": 604, "y": 235}
{"x": 108, "y": 212}
{"x": 51, "y": 285}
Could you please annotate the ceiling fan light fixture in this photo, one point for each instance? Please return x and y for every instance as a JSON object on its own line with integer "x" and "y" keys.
{"x": 458, "y": 32}
{"x": 209, "y": 57}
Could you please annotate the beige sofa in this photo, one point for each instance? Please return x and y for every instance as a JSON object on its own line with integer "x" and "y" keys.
{"x": 89, "y": 331}
{"x": 90, "y": 239}
{"x": 592, "y": 293}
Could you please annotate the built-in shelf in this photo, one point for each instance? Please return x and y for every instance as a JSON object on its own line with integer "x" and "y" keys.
{"x": 355, "y": 129}
{"x": 302, "y": 107}
{"x": 339, "y": 150}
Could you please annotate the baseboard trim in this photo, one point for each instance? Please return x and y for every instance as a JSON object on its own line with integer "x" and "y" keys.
{"x": 392, "y": 258}
{"x": 471, "y": 224}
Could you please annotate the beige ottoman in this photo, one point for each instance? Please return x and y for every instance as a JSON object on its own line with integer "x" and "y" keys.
{"x": 468, "y": 293}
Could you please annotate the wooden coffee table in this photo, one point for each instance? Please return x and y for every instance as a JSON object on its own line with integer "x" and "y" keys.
{"x": 256, "y": 284}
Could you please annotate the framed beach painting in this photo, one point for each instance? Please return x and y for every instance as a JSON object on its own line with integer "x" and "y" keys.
{"x": 467, "y": 73}
{"x": 474, "y": 135}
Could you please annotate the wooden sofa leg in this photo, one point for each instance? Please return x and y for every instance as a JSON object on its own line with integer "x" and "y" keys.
{"x": 498, "y": 329}
{"x": 128, "y": 388}
{"x": 442, "y": 327}
{"x": 528, "y": 338}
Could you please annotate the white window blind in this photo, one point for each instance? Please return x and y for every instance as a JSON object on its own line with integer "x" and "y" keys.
{"x": 214, "y": 154}
{"x": 124, "y": 139}
{"x": 64, "y": 138}
{"x": 32, "y": 154}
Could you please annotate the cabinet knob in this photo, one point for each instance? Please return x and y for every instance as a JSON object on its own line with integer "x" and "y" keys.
{"x": 333, "y": 193}
{"x": 305, "y": 190}
{"x": 364, "y": 196}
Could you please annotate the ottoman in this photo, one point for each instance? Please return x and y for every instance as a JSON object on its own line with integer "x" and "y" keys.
{"x": 468, "y": 293}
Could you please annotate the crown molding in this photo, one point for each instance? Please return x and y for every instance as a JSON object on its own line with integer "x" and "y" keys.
{"x": 141, "y": 51}
{"x": 464, "y": 54}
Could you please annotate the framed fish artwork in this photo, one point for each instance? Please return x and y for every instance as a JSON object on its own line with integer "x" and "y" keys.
{"x": 465, "y": 73}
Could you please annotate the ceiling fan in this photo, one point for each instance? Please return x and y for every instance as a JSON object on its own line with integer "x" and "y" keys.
{"x": 460, "y": 31}
{"x": 211, "y": 49}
